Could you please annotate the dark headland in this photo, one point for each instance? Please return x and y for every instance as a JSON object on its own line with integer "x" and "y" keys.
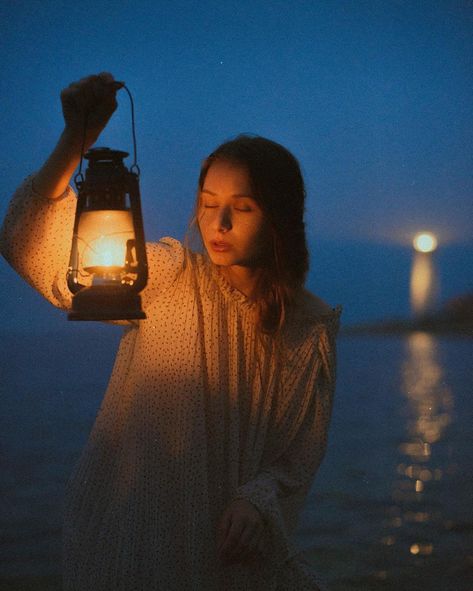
{"x": 455, "y": 317}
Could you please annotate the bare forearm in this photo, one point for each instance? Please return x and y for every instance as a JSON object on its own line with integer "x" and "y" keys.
{"x": 87, "y": 106}
{"x": 54, "y": 176}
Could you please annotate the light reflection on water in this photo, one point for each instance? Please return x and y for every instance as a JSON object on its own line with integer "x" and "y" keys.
{"x": 424, "y": 283}
{"x": 428, "y": 411}
{"x": 388, "y": 509}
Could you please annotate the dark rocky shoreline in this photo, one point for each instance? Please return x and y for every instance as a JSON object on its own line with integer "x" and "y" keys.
{"x": 454, "y": 318}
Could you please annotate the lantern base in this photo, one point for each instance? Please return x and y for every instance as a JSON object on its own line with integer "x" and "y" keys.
{"x": 106, "y": 302}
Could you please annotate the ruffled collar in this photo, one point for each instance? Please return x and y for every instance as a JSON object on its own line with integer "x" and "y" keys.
{"x": 231, "y": 292}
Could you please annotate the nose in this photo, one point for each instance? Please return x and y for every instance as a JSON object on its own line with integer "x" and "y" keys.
{"x": 224, "y": 219}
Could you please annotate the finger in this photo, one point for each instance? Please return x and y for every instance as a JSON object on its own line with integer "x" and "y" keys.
{"x": 80, "y": 95}
{"x": 83, "y": 81}
{"x": 250, "y": 533}
{"x": 98, "y": 100}
{"x": 222, "y": 529}
{"x": 110, "y": 81}
{"x": 254, "y": 549}
{"x": 224, "y": 525}
{"x": 244, "y": 548}
{"x": 250, "y": 555}
{"x": 102, "y": 88}
{"x": 105, "y": 97}
{"x": 232, "y": 538}
{"x": 90, "y": 90}
{"x": 248, "y": 543}
{"x": 107, "y": 81}
{"x": 106, "y": 77}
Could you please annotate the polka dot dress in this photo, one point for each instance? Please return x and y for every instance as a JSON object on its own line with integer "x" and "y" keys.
{"x": 200, "y": 410}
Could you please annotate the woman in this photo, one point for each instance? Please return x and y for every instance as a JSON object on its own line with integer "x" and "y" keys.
{"x": 216, "y": 416}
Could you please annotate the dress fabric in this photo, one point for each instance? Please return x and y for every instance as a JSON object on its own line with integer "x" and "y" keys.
{"x": 200, "y": 410}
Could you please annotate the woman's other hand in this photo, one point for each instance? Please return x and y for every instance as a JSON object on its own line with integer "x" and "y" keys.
{"x": 93, "y": 97}
{"x": 240, "y": 533}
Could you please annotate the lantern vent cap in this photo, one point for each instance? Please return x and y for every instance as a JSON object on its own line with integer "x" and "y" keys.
{"x": 105, "y": 154}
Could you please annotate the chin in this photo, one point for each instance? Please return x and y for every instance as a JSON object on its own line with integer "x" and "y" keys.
{"x": 222, "y": 259}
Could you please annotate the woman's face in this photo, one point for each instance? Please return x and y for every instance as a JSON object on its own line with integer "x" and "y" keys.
{"x": 231, "y": 223}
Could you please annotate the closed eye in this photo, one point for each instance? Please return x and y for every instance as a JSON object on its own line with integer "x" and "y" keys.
{"x": 214, "y": 206}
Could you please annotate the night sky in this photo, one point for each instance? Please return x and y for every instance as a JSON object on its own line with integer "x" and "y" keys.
{"x": 374, "y": 99}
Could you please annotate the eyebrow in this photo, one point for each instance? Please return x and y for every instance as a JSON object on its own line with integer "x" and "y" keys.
{"x": 236, "y": 195}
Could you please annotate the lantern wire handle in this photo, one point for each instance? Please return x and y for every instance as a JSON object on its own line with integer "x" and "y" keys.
{"x": 79, "y": 177}
{"x": 134, "y": 167}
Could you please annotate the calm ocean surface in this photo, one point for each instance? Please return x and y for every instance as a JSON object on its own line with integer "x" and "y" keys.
{"x": 391, "y": 507}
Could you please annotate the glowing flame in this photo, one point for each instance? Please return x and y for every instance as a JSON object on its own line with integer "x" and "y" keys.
{"x": 103, "y": 236}
{"x": 425, "y": 242}
{"x": 107, "y": 251}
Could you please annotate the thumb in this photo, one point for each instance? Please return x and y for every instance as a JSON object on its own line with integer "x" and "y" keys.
{"x": 117, "y": 84}
{"x": 223, "y": 528}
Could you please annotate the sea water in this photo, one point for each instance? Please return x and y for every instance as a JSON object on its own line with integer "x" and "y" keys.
{"x": 390, "y": 508}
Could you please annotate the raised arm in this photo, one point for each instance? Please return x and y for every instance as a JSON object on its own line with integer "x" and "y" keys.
{"x": 37, "y": 230}
{"x": 36, "y": 234}
{"x": 90, "y": 101}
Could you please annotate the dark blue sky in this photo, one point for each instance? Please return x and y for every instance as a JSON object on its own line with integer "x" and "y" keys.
{"x": 374, "y": 98}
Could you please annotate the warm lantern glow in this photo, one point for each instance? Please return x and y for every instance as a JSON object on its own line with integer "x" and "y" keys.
{"x": 425, "y": 242}
{"x": 103, "y": 237}
{"x": 108, "y": 264}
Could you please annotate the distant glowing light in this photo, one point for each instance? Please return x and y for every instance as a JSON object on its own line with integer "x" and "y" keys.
{"x": 415, "y": 449}
{"x": 425, "y": 475}
{"x": 424, "y": 549}
{"x": 425, "y": 242}
{"x": 417, "y": 517}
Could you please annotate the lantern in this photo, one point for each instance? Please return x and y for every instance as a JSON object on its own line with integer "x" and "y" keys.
{"x": 108, "y": 266}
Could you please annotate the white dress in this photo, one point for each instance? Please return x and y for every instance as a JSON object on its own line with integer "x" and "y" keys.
{"x": 199, "y": 411}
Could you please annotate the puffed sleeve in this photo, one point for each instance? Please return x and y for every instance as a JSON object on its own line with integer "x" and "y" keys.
{"x": 279, "y": 490}
{"x": 165, "y": 261}
{"x": 36, "y": 238}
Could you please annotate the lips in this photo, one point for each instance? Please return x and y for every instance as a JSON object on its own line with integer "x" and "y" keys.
{"x": 220, "y": 246}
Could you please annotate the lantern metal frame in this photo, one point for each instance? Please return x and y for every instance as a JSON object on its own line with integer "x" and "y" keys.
{"x": 109, "y": 185}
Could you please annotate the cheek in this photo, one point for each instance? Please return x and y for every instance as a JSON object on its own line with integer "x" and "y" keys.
{"x": 202, "y": 221}
{"x": 260, "y": 238}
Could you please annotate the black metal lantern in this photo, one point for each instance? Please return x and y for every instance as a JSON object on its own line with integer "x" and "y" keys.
{"x": 108, "y": 266}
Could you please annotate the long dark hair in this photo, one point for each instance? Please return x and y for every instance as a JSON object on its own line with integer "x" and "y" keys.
{"x": 278, "y": 187}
